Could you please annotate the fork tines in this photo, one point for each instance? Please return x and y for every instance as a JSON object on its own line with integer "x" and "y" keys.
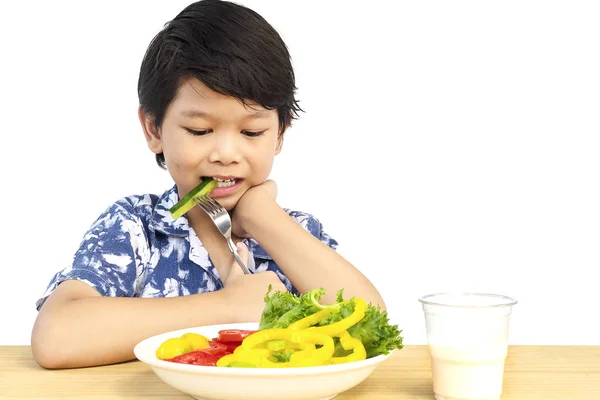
{"x": 208, "y": 204}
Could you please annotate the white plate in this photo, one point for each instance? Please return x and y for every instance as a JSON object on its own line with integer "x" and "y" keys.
{"x": 217, "y": 383}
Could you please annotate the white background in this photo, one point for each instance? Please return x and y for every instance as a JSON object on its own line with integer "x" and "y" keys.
{"x": 445, "y": 145}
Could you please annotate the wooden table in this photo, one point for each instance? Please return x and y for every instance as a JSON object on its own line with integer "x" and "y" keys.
{"x": 531, "y": 373}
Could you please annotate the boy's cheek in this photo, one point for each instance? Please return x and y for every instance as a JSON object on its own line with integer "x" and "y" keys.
{"x": 185, "y": 180}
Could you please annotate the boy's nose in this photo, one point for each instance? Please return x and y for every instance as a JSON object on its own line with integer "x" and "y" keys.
{"x": 224, "y": 149}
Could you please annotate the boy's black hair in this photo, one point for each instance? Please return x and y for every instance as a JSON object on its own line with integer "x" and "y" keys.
{"x": 229, "y": 48}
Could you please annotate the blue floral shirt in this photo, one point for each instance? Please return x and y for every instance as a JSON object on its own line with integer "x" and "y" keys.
{"x": 136, "y": 249}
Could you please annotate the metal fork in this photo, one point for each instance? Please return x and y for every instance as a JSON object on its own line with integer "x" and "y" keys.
{"x": 221, "y": 219}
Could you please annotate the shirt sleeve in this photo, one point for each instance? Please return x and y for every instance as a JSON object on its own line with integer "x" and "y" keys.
{"x": 108, "y": 256}
{"x": 314, "y": 227}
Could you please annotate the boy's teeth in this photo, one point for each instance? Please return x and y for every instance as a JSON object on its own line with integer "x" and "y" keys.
{"x": 225, "y": 183}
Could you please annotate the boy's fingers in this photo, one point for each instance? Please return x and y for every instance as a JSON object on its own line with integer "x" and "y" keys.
{"x": 243, "y": 252}
{"x": 271, "y": 188}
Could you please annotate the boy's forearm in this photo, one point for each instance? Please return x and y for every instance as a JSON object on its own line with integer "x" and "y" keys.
{"x": 305, "y": 260}
{"x": 104, "y": 330}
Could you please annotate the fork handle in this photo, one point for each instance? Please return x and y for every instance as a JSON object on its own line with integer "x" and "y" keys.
{"x": 237, "y": 257}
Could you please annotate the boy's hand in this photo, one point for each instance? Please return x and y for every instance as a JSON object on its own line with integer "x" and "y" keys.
{"x": 246, "y": 293}
{"x": 250, "y": 201}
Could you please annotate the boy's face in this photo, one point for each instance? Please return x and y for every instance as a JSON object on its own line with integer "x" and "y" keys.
{"x": 207, "y": 134}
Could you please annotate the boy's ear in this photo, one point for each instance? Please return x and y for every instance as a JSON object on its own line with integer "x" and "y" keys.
{"x": 151, "y": 133}
{"x": 280, "y": 142}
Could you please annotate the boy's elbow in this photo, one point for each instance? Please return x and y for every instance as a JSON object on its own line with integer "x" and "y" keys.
{"x": 48, "y": 346}
{"x": 46, "y": 352}
{"x": 47, "y": 359}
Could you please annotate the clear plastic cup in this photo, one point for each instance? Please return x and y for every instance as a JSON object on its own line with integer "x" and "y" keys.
{"x": 467, "y": 334}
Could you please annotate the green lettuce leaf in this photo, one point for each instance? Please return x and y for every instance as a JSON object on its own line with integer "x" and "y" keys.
{"x": 283, "y": 308}
{"x": 374, "y": 330}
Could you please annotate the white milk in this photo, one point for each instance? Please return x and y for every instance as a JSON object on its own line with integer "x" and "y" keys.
{"x": 467, "y": 335}
{"x": 468, "y": 372}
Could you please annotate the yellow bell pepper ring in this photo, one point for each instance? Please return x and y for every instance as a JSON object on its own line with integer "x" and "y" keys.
{"x": 296, "y": 337}
{"x": 253, "y": 351}
{"x": 300, "y": 340}
{"x": 187, "y": 342}
{"x": 350, "y": 343}
{"x": 313, "y": 318}
{"x": 172, "y": 348}
{"x": 196, "y": 341}
{"x": 360, "y": 308}
{"x": 257, "y": 358}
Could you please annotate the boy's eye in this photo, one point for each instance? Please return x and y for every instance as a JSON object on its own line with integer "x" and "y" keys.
{"x": 199, "y": 133}
{"x": 253, "y": 133}
{"x": 207, "y": 131}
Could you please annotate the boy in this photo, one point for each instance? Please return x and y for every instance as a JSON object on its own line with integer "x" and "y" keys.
{"x": 216, "y": 91}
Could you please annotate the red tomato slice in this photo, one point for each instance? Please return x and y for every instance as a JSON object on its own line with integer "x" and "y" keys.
{"x": 208, "y": 356}
{"x": 217, "y": 348}
{"x": 198, "y": 357}
{"x": 231, "y": 346}
{"x": 234, "y": 335}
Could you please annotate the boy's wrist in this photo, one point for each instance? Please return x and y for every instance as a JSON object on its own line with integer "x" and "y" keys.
{"x": 226, "y": 305}
{"x": 257, "y": 213}
{"x": 252, "y": 207}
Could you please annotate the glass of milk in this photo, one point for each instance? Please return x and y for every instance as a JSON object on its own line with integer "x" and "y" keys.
{"x": 467, "y": 335}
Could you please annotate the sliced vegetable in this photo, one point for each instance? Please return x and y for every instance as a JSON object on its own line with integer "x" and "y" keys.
{"x": 374, "y": 330}
{"x": 217, "y": 348}
{"x": 234, "y": 335}
{"x": 187, "y": 342}
{"x": 335, "y": 328}
{"x": 283, "y": 308}
{"x": 198, "y": 357}
{"x": 196, "y": 341}
{"x": 253, "y": 352}
{"x": 295, "y": 346}
{"x": 172, "y": 348}
{"x": 276, "y": 345}
{"x": 184, "y": 205}
{"x": 207, "y": 356}
{"x": 350, "y": 343}
{"x": 231, "y": 346}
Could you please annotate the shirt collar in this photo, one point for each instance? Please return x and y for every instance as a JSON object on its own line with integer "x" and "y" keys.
{"x": 161, "y": 219}
{"x": 163, "y": 222}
